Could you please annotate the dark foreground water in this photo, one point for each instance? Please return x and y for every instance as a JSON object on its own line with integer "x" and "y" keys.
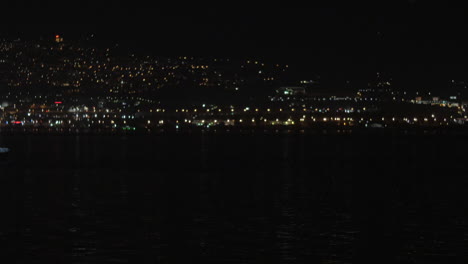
{"x": 230, "y": 198}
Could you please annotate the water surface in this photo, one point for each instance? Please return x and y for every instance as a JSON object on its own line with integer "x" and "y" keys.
{"x": 233, "y": 198}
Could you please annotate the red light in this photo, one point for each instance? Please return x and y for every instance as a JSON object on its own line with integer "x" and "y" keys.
{"x": 17, "y": 122}
{"x": 57, "y": 36}
{"x": 58, "y": 102}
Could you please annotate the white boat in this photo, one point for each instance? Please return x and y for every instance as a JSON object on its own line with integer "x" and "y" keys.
{"x": 4, "y": 153}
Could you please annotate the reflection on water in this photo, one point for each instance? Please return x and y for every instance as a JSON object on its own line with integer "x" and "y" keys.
{"x": 235, "y": 199}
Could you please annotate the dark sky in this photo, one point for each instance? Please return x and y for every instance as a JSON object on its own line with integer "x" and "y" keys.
{"x": 418, "y": 43}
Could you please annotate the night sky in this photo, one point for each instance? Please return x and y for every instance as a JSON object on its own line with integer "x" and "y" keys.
{"x": 422, "y": 46}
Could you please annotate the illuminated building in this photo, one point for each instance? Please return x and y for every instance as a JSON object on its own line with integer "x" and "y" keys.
{"x": 380, "y": 88}
{"x": 58, "y": 39}
{"x": 291, "y": 91}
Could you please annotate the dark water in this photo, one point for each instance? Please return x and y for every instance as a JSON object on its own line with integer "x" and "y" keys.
{"x": 235, "y": 199}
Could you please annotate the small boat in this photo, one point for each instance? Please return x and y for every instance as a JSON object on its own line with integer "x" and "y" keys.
{"x": 4, "y": 153}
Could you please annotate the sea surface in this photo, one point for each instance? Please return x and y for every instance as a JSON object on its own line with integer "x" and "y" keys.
{"x": 235, "y": 198}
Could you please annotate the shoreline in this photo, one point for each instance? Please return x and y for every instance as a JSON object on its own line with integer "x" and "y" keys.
{"x": 408, "y": 130}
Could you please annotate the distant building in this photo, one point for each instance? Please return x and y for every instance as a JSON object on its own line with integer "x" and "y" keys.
{"x": 58, "y": 39}
{"x": 380, "y": 88}
{"x": 457, "y": 92}
{"x": 291, "y": 91}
